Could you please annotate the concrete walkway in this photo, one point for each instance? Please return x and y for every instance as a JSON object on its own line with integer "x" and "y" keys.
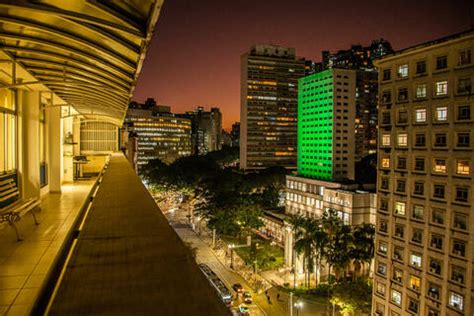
{"x": 25, "y": 264}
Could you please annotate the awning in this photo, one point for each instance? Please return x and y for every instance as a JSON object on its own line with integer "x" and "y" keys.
{"x": 88, "y": 52}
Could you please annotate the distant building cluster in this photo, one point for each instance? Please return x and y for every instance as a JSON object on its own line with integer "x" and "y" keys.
{"x": 151, "y": 131}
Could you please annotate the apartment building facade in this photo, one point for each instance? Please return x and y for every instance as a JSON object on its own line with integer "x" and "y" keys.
{"x": 424, "y": 239}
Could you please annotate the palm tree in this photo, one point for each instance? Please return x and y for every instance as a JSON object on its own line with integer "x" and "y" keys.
{"x": 363, "y": 247}
{"x": 331, "y": 225}
{"x": 320, "y": 240}
{"x": 305, "y": 244}
{"x": 342, "y": 243}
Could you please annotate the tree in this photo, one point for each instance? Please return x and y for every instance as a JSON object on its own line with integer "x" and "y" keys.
{"x": 304, "y": 244}
{"x": 362, "y": 251}
{"x": 353, "y": 297}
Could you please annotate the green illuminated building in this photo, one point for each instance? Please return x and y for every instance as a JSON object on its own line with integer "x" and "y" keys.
{"x": 326, "y": 115}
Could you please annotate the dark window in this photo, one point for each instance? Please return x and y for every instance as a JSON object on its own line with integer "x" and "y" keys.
{"x": 440, "y": 140}
{"x": 433, "y": 291}
{"x": 398, "y": 253}
{"x": 420, "y": 140}
{"x": 420, "y": 163}
{"x": 464, "y": 57}
{"x": 418, "y": 211}
{"x": 435, "y": 266}
{"x": 436, "y": 241}
{"x": 459, "y": 248}
{"x": 383, "y": 227}
{"x": 463, "y": 140}
{"x": 460, "y": 221}
{"x": 441, "y": 62}
{"x": 462, "y": 194}
{"x": 419, "y": 188}
{"x": 417, "y": 236}
{"x": 399, "y": 231}
{"x": 421, "y": 67}
{"x": 386, "y": 97}
{"x": 401, "y": 186}
{"x": 386, "y": 118}
{"x": 438, "y": 191}
{"x": 432, "y": 312}
{"x": 403, "y": 94}
{"x": 402, "y": 163}
{"x": 386, "y": 74}
{"x": 457, "y": 274}
{"x": 437, "y": 216}
{"x": 384, "y": 204}
{"x": 413, "y": 305}
{"x": 385, "y": 184}
{"x": 402, "y": 117}
{"x": 464, "y": 112}
{"x": 464, "y": 85}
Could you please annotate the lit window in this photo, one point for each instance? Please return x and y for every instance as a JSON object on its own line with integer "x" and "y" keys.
{"x": 415, "y": 283}
{"x": 386, "y": 140}
{"x": 415, "y": 260}
{"x": 403, "y": 71}
{"x": 442, "y": 88}
{"x": 456, "y": 301}
{"x": 400, "y": 208}
{"x": 396, "y": 297}
{"x": 420, "y": 115}
{"x": 402, "y": 140}
{"x": 385, "y": 162}
{"x": 421, "y": 91}
{"x": 439, "y": 165}
{"x": 462, "y": 167}
{"x": 441, "y": 113}
{"x": 380, "y": 288}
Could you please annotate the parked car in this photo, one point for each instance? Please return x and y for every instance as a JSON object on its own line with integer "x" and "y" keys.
{"x": 247, "y": 298}
{"x": 238, "y": 287}
{"x": 244, "y": 310}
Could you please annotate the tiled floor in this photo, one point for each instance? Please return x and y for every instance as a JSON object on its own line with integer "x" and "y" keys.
{"x": 25, "y": 264}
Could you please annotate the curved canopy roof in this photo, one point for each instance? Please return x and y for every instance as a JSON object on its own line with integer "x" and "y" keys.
{"x": 88, "y": 52}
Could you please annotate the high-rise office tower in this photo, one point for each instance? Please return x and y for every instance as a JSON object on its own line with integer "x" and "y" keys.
{"x": 157, "y": 133}
{"x": 206, "y": 129}
{"x": 269, "y": 96}
{"x": 326, "y": 132}
{"x": 425, "y": 219}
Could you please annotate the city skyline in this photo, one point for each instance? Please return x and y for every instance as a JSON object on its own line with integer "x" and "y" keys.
{"x": 206, "y": 40}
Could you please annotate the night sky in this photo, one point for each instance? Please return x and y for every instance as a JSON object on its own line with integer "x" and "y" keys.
{"x": 194, "y": 58}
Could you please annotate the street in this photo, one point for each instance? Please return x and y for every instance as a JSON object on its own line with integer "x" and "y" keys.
{"x": 261, "y": 305}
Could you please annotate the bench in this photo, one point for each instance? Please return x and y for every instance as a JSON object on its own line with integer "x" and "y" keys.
{"x": 12, "y": 208}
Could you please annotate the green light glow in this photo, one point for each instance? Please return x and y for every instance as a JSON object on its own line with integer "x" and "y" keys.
{"x": 315, "y": 125}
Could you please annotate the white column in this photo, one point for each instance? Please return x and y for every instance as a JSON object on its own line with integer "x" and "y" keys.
{"x": 29, "y": 104}
{"x": 53, "y": 119}
{"x": 288, "y": 247}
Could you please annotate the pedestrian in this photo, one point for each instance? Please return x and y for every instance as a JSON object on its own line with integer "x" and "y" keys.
{"x": 278, "y": 296}
{"x": 266, "y": 293}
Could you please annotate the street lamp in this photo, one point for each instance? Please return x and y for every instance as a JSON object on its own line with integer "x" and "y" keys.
{"x": 298, "y": 305}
